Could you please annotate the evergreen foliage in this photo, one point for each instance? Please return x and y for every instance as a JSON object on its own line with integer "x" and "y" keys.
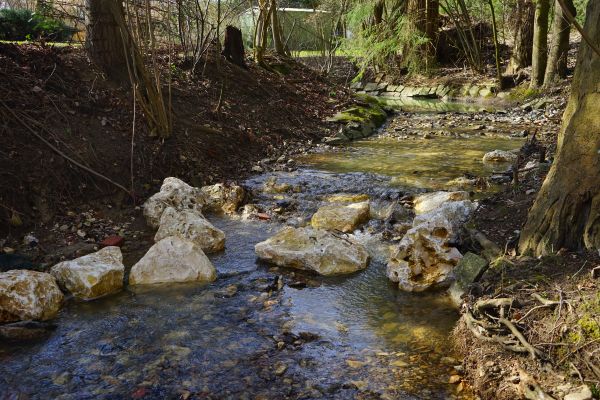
{"x": 23, "y": 24}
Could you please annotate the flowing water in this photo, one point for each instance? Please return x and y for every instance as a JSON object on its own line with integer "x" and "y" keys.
{"x": 261, "y": 332}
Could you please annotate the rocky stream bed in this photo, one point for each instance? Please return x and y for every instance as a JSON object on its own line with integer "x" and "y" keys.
{"x": 260, "y": 331}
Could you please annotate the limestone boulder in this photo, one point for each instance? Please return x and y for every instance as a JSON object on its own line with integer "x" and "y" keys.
{"x": 173, "y": 259}
{"x": 173, "y": 193}
{"x": 427, "y": 202}
{"x": 499, "y": 156}
{"x": 92, "y": 276}
{"x": 28, "y": 295}
{"x": 222, "y": 198}
{"x": 426, "y": 255}
{"x": 345, "y": 218}
{"x": 191, "y": 226}
{"x": 314, "y": 250}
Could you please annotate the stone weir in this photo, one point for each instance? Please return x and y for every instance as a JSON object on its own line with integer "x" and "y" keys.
{"x": 439, "y": 91}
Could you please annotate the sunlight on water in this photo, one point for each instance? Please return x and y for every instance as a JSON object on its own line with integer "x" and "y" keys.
{"x": 419, "y": 163}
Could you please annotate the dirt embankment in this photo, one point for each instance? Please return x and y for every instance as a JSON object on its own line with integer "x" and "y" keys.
{"x": 530, "y": 326}
{"x": 58, "y": 95}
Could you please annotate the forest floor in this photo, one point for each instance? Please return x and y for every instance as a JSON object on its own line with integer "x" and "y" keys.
{"x": 225, "y": 119}
{"x": 554, "y": 301}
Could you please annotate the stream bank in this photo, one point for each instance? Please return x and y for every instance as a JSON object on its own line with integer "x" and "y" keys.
{"x": 264, "y": 331}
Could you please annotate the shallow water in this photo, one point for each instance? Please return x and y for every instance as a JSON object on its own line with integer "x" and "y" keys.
{"x": 416, "y": 163}
{"x": 164, "y": 341}
{"x": 261, "y": 332}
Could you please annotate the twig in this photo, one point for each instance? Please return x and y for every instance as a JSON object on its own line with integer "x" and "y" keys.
{"x": 60, "y": 153}
{"x": 133, "y": 136}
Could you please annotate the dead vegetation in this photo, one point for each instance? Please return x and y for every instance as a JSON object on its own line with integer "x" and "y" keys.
{"x": 69, "y": 136}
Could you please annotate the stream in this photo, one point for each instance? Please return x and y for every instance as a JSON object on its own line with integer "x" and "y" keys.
{"x": 262, "y": 332}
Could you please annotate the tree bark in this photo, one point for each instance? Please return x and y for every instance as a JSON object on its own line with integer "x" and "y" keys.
{"x": 540, "y": 42}
{"x": 276, "y": 30}
{"x": 523, "y": 32}
{"x": 103, "y": 40}
{"x": 424, "y": 15}
{"x": 233, "y": 46}
{"x": 566, "y": 212}
{"x": 557, "y": 59}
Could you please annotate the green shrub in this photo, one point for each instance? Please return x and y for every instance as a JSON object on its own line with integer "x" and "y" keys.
{"x": 23, "y": 24}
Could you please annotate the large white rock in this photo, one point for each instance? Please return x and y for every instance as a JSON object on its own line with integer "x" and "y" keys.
{"x": 427, "y": 202}
{"x": 341, "y": 218}
{"x": 92, "y": 276}
{"x": 191, "y": 226}
{"x": 315, "y": 250}
{"x": 426, "y": 256}
{"x": 222, "y": 198}
{"x": 173, "y": 259}
{"x": 173, "y": 193}
{"x": 499, "y": 156}
{"x": 28, "y": 295}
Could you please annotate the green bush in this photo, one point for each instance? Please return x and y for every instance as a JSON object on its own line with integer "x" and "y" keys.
{"x": 23, "y": 24}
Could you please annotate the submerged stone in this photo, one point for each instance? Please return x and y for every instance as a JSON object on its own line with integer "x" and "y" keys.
{"x": 315, "y": 250}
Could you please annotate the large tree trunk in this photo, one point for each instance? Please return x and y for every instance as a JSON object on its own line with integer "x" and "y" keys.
{"x": 112, "y": 47}
{"x": 557, "y": 59}
{"x": 566, "y": 212}
{"x": 103, "y": 40}
{"x": 540, "y": 42}
{"x": 523, "y": 46}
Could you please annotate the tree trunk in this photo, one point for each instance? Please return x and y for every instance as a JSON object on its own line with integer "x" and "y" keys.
{"x": 112, "y": 47}
{"x": 540, "y": 42}
{"x": 496, "y": 49}
{"x": 424, "y": 15}
{"x": 103, "y": 40}
{"x": 276, "y": 30}
{"x": 522, "y": 49}
{"x": 233, "y": 46}
{"x": 557, "y": 59}
{"x": 566, "y": 212}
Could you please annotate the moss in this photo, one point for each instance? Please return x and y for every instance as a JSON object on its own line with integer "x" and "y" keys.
{"x": 523, "y": 92}
{"x": 371, "y": 113}
{"x": 368, "y": 99}
{"x": 590, "y": 327}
